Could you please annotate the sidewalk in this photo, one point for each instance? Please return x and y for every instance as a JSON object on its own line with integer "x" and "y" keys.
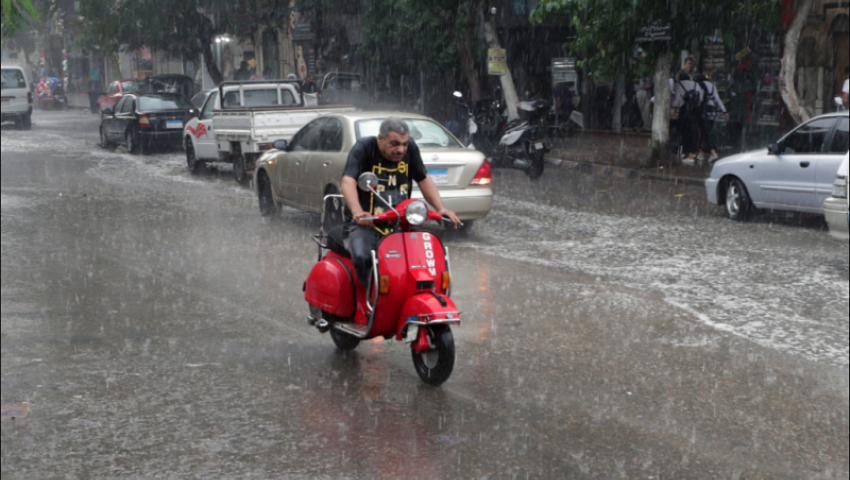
{"x": 626, "y": 155}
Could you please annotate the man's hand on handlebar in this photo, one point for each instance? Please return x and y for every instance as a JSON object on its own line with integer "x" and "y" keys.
{"x": 361, "y": 217}
{"x": 445, "y": 212}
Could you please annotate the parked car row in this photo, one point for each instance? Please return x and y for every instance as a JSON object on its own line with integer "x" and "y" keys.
{"x": 805, "y": 171}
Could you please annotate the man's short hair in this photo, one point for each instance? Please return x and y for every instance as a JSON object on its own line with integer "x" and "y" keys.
{"x": 394, "y": 125}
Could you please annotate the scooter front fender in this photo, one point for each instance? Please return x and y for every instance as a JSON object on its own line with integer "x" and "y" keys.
{"x": 428, "y": 309}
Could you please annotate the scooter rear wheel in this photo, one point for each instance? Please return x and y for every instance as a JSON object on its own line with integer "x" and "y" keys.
{"x": 344, "y": 341}
{"x": 436, "y": 366}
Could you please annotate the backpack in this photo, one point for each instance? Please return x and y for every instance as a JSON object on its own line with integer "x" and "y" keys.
{"x": 692, "y": 103}
{"x": 709, "y": 105}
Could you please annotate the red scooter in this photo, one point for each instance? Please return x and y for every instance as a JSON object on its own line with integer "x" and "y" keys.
{"x": 408, "y": 296}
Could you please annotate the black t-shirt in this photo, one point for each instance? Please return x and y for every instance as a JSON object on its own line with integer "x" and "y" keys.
{"x": 396, "y": 179}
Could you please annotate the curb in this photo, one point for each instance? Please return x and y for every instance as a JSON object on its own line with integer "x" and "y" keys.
{"x": 604, "y": 170}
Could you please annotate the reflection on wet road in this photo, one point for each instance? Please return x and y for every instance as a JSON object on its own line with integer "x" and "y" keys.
{"x": 615, "y": 329}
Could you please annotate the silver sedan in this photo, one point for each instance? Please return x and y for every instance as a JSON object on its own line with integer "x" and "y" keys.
{"x": 310, "y": 168}
{"x": 795, "y": 174}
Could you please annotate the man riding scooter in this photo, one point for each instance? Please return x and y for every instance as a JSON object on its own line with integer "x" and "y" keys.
{"x": 395, "y": 158}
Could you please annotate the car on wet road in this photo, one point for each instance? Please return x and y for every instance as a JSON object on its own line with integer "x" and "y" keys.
{"x": 837, "y": 207}
{"x": 117, "y": 89}
{"x": 147, "y": 121}
{"x": 303, "y": 172}
{"x": 796, "y": 174}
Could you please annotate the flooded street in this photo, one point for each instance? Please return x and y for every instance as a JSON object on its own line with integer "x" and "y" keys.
{"x": 155, "y": 324}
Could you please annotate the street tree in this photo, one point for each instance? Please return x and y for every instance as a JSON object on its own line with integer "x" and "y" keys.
{"x": 608, "y": 33}
{"x": 16, "y": 15}
{"x": 180, "y": 29}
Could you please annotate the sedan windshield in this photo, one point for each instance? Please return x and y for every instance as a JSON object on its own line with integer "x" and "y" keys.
{"x": 426, "y": 133}
{"x": 171, "y": 102}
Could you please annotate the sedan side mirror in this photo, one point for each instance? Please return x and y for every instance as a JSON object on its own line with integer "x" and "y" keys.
{"x": 281, "y": 145}
{"x": 194, "y": 113}
{"x": 774, "y": 149}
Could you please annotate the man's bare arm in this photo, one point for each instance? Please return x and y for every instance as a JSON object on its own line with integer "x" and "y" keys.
{"x": 352, "y": 199}
{"x": 432, "y": 196}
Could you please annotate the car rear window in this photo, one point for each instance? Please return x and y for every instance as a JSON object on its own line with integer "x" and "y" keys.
{"x": 13, "y": 78}
{"x": 129, "y": 87}
{"x": 177, "y": 102}
{"x": 426, "y": 133}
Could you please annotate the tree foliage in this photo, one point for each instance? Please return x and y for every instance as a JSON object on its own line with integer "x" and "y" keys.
{"x": 608, "y": 29}
{"x": 17, "y": 14}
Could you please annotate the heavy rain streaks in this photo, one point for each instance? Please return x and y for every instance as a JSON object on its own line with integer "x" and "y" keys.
{"x": 155, "y": 324}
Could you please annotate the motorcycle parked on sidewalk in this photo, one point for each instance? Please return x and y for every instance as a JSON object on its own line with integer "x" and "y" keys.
{"x": 518, "y": 144}
{"x": 408, "y": 297}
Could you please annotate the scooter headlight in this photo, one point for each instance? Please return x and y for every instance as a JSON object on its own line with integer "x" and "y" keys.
{"x": 417, "y": 213}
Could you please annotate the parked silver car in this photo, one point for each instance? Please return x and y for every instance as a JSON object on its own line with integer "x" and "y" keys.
{"x": 795, "y": 174}
{"x": 836, "y": 207}
{"x": 311, "y": 166}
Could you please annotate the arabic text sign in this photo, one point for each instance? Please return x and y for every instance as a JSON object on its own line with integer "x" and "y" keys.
{"x": 497, "y": 62}
{"x": 657, "y": 32}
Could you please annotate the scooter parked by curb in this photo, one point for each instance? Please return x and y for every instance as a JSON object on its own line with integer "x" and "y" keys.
{"x": 521, "y": 143}
{"x": 408, "y": 297}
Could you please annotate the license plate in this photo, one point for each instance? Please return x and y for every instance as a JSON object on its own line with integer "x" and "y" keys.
{"x": 539, "y": 146}
{"x": 440, "y": 176}
{"x": 174, "y": 124}
{"x": 412, "y": 333}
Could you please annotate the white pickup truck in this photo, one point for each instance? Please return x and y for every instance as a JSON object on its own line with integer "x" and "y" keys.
{"x": 241, "y": 120}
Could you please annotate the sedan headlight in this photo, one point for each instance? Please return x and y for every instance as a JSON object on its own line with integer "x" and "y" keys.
{"x": 839, "y": 188}
{"x": 417, "y": 213}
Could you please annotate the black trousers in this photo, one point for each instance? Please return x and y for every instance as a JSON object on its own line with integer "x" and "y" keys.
{"x": 360, "y": 243}
{"x": 706, "y": 128}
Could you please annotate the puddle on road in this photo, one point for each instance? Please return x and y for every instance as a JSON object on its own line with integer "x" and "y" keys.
{"x": 15, "y": 412}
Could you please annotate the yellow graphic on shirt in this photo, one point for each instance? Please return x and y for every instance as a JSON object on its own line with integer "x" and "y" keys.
{"x": 392, "y": 182}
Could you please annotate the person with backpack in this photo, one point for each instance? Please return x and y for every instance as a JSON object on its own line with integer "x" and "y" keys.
{"x": 712, "y": 109}
{"x": 687, "y": 108}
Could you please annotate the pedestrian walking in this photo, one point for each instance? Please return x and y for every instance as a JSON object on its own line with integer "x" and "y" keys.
{"x": 687, "y": 108}
{"x": 644, "y": 102}
{"x": 712, "y": 110}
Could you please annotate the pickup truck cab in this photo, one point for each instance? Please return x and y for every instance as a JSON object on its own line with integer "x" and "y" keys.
{"x": 242, "y": 120}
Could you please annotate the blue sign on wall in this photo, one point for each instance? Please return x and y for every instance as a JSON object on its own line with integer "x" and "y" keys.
{"x": 523, "y": 7}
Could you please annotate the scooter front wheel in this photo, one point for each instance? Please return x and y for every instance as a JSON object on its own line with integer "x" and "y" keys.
{"x": 435, "y": 366}
{"x": 537, "y": 166}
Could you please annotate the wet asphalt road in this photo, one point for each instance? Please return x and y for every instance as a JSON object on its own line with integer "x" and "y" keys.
{"x": 615, "y": 329}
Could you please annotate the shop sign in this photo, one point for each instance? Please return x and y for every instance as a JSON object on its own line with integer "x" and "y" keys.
{"x": 497, "y": 62}
{"x": 743, "y": 53}
{"x": 656, "y": 32}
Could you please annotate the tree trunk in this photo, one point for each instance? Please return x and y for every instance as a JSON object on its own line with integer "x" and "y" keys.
{"x": 661, "y": 110}
{"x": 463, "y": 40}
{"x": 212, "y": 66}
{"x": 114, "y": 68}
{"x": 787, "y": 86}
{"x": 508, "y": 87}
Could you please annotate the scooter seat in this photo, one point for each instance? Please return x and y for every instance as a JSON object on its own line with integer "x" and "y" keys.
{"x": 336, "y": 241}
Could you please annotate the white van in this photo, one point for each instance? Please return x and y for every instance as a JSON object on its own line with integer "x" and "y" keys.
{"x": 836, "y": 208}
{"x": 16, "y": 97}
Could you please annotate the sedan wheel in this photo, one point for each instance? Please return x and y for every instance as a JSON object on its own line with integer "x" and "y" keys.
{"x": 103, "y": 141}
{"x": 268, "y": 208}
{"x": 738, "y": 204}
{"x": 131, "y": 143}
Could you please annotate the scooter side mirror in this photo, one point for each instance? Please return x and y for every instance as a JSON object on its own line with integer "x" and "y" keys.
{"x": 367, "y": 182}
{"x": 458, "y": 95}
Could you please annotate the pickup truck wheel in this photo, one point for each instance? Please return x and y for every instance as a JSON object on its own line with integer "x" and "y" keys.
{"x": 240, "y": 170}
{"x": 192, "y": 160}
{"x": 268, "y": 208}
{"x": 26, "y": 121}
